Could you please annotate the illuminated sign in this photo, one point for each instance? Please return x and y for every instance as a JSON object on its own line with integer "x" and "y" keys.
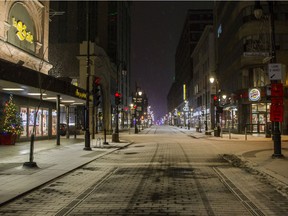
{"x": 184, "y": 92}
{"x": 254, "y": 94}
{"x": 80, "y": 95}
{"x": 22, "y": 32}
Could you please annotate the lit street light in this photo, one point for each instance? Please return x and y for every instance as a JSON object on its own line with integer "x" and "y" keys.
{"x": 217, "y": 129}
{"x": 138, "y": 93}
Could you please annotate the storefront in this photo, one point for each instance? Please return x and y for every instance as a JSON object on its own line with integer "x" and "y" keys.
{"x": 26, "y": 81}
{"x": 249, "y": 111}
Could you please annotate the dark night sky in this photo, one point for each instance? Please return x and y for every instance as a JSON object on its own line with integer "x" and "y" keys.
{"x": 156, "y": 29}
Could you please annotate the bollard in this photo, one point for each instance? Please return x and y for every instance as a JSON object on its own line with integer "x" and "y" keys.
{"x": 229, "y": 133}
{"x": 245, "y": 134}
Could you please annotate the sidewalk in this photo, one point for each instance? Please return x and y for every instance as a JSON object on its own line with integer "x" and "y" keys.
{"x": 52, "y": 162}
{"x": 257, "y": 154}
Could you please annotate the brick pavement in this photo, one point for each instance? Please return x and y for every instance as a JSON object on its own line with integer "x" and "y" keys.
{"x": 55, "y": 161}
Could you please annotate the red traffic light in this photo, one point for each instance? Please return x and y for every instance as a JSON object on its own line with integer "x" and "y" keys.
{"x": 97, "y": 80}
{"x": 215, "y": 98}
{"x": 117, "y": 94}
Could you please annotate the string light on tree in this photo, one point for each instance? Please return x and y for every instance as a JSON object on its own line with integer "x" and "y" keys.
{"x": 12, "y": 120}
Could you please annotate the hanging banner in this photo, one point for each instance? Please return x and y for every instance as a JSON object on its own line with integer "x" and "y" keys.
{"x": 276, "y": 113}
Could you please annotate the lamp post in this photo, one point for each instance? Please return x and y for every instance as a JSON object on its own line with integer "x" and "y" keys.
{"x": 138, "y": 93}
{"x": 87, "y": 131}
{"x": 206, "y": 106}
{"x": 258, "y": 12}
{"x": 217, "y": 129}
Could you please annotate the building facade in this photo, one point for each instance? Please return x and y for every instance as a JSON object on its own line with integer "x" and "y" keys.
{"x": 194, "y": 24}
{"x": 203, "y": 58}
{"x": 24, "y": 63}
{"x": 243, "y": 52}
{"x": 109, "y": 36}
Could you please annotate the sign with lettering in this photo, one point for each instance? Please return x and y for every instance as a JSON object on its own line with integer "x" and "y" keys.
{"x": 277, "y": 90}
{"x": 276, "y": 113}
{"x": 275, "y": 71}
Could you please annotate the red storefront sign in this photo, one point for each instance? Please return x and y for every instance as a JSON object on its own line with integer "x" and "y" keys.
{"x": 277, "y": 100}
{"x": 276, "y": 113}
{"x": 277, "y": 90}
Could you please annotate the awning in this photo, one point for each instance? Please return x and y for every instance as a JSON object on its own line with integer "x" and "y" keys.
{"x": 17, "y": 76}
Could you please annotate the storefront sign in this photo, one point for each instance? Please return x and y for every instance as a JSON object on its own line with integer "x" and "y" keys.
{"x": 79, "y": 94}
{"x": 277, "y": 90}
{"x": 276, "y": 113}
{"x": 22, "y": 32}
{"x": 254, "y": 94}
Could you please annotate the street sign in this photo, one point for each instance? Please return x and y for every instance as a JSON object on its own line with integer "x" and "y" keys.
{"x": 185, "y": 109}
{"x": 275, "y": 71}
{"x": 276, "y": 113}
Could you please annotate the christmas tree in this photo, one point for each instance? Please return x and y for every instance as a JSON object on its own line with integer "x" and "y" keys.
{"x": 12, "y": 122}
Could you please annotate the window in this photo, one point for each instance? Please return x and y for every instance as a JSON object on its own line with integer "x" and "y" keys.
{"x": 23, "y": 114}
{"x": 259, "y": 77}
{"x": 54, "y": 122}
{"x": 45, "y": 122}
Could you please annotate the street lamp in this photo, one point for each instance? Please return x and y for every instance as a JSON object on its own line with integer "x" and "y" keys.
{"x": 258, "y": 12}
{"x": 136, "y": 102}
{"x": 211, "y": 79}
{"x": 217, "y": 128}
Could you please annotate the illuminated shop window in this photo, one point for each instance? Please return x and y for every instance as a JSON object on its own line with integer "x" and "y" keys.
{"x": 54, "y": 122}
{"x": 23, "y": 114}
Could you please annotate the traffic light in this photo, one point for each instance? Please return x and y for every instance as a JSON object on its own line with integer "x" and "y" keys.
{"x": 96, "y": 91}
{"x": 117, "y": 98}
{"x": 215, "y": 100}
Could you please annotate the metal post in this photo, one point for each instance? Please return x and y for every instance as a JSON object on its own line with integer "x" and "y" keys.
{"x": 87, "y": 132}
{"x": 206, "y": 104}
{"x": 75, "y": 116}
{"x": 276, "y": 131}
{"x": 58, "y": 120}
{"x": 93, "y": 120}
{"x": 245, "y": 134}
{"x": 67, "y": 122}
{"x": 105, "y": 142}
{"x": 115, "y": 136}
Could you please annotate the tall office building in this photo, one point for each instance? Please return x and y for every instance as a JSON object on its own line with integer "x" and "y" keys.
{"x": 194, "y": 25}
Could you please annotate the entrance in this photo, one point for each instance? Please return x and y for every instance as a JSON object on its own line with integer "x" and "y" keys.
{"x": 259, "y": 117}
{"x": 258, "y": 122}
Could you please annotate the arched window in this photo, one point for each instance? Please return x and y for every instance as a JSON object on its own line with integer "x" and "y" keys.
{"x": 22, "y": 30}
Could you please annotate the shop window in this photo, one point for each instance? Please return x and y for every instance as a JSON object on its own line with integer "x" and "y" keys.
{"x": 54, "y": 122}
{"x": 23, "y": 114}
{"x": 32, "y": 113}
{"x": 45, "y": 122}
{"x": 39, "y": 123}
